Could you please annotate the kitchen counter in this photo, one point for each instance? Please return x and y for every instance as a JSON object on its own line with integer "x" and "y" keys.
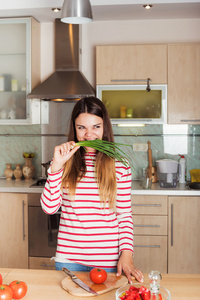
{"x": 23, "y": 186}
{"x": 179, "y": 190}
{"x": 19, "y": 186}
{"x": 46, "y": 285}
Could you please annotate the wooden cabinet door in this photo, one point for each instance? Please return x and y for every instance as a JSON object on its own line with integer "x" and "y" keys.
{"x": 14, "y": 230}
{"x": 184, "y": 241}
{"x": 41, "y": 263}
{"x": 183, "y": 84}
{"x": 150, "y": 232}
{"x": 150, "y": 253}
{"x": 149, "y": 205}
{"x": 126, "y": 63}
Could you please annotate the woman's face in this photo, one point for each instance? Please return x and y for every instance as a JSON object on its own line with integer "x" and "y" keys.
{"x": 89, "y": 127}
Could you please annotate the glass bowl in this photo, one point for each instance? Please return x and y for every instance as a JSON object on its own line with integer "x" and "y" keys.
{"x": 163, "y": 291}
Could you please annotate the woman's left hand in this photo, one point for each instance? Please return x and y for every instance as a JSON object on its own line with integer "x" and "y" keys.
{"x": 126, "y": 265}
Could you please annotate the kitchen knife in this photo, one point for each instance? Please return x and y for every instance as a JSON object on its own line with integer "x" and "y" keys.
{"x": 79, "y": 282}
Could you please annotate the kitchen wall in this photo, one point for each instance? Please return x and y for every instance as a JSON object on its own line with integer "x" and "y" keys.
{"x": 14, "y": 140}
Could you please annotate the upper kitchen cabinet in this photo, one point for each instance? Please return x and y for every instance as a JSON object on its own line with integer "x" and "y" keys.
{"x": 128, "y": 64}
{"x": 19, "y": 69}
{"x": 183, "y": 84}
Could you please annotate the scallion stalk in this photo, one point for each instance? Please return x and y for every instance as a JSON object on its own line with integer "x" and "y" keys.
{"x": 111, "y": 149}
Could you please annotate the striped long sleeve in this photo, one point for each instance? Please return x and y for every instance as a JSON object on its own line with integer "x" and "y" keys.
{"x": 89, "y": 233}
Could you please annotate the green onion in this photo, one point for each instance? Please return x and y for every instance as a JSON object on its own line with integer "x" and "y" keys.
{"x": 111, "y": 149}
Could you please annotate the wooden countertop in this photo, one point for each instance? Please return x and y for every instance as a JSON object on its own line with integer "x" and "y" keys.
{"x": 23, "y": 186}
{"x": 46, "y": 285}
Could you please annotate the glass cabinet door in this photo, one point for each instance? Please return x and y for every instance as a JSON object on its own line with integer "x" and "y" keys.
{"x": 14, "y": 69}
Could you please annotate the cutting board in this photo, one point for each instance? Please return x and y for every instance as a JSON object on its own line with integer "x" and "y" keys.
{"x": 112, "y": 282}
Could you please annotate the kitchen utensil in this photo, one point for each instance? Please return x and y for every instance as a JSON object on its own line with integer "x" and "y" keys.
{"x": 153, "y": 286}
{"x": 46, "y": 166}
{"x": 145, "y": 180}
{"x": 151, "y": 170}
{"x": 112, "y": 282}
{"x": 169, "y": 172}
{"x": 79, "y": 282}
{"x": 194, "y": 185}
{"x": 163, "y": 291}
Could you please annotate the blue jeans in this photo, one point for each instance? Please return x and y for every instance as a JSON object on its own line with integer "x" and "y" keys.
{"x": 78, "y": 267}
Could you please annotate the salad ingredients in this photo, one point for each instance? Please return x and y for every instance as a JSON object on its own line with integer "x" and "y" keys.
{"x": 19, "y": 289}
{"x": 111, "y": 149}
{"x": 134, "y": 293}
{"x": 98, "y": 275}
{"x": 5, "y": 294}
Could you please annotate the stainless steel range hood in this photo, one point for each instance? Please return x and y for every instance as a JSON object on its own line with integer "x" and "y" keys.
{"x": 67, "y": 82}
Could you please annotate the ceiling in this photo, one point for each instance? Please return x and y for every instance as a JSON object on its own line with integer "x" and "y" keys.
{"x": 105, "y": 9}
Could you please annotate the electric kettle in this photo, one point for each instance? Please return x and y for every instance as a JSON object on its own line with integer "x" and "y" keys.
{"x": 168, "y": 172}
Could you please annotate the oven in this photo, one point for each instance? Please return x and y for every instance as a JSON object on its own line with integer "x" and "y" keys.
{"x": 42, "y": 229}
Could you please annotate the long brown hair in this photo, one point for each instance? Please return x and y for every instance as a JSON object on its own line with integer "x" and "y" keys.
{"x": 75, "y": 167}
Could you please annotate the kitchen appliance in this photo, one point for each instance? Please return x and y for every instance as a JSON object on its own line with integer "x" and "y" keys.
{"x": 168, "y": 172}
{"x": 79, "y": 282}
{"x": 42, "y": 230}
{"x": 146, "y": 107}
{"x": 67, "y": 82}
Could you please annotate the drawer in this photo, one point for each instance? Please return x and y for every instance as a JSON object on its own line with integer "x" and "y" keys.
{"x": 150, "y": 253}
{"x": 149, "y": 205}
{"x": 150, "y": 225}
{"x": 41, "y": 263}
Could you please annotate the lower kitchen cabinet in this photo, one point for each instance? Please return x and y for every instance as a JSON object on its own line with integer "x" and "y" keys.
{"x": 184, "y": 241}
{"x": 14, "y": 230}
{"x": 150, "y": 253}
{"x": 41, "y": 263}
{"x": 150, "y": 232}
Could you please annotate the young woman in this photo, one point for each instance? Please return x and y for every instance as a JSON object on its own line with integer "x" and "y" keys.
{"x": 94, "y": 193}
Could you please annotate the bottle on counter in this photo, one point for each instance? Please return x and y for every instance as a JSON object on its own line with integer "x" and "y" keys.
{"x": 182, "y": 162}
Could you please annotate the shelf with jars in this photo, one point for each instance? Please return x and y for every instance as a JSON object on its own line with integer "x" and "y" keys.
{"x": 19, "y": 69}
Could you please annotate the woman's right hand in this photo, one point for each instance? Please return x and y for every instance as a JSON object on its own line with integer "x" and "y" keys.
{"x": 63, "y": 153}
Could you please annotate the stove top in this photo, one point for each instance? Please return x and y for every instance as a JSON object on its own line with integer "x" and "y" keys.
{"x": 39, "y": 183}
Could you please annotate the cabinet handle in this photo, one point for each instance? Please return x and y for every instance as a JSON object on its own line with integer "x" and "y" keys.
{"x": 129, "y": 80}
{"x": 149, "y": 205}
{"x": 192, "y": 120}
{"x": 147, "y": 226}
{"x": 147, "y": 246}
{"x": 23, "y": 204}
{"x": 47, "y": 266}
{"x": 172, "y": 224}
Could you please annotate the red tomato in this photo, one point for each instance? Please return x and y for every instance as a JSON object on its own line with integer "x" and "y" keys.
{"x": 1, "y": 280}
{"x": 98, "y": 275}
{"x": 19, "y": 289}
{"x": 5, "y": 294}
{"x": 6, "y": 286}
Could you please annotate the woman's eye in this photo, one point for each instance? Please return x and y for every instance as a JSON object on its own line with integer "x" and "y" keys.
{"x": 80, "y": 127}
{"x": 97, "y": 126}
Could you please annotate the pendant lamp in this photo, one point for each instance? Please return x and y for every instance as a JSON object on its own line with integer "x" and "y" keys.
{"x": 76, "y": 12}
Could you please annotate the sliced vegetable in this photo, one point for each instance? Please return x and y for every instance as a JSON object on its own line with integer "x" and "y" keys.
{"x": 141, "y": 293}
{"x": 1, "y": 280}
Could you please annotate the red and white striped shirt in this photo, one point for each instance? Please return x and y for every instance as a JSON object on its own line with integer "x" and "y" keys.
{"x": 90, "y": 234}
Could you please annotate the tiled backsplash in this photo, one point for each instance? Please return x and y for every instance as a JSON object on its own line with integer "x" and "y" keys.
{"x": 183, "y": 139}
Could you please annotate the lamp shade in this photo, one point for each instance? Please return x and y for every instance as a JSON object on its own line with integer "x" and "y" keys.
{"x": 76, "y": 12}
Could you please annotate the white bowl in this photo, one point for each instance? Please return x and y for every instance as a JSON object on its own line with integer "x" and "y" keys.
{"x": 163, "y": 291}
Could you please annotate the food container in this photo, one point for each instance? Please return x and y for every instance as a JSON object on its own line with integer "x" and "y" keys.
{"x": 164, "y": 292}
{"x": 150, "y": 290}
